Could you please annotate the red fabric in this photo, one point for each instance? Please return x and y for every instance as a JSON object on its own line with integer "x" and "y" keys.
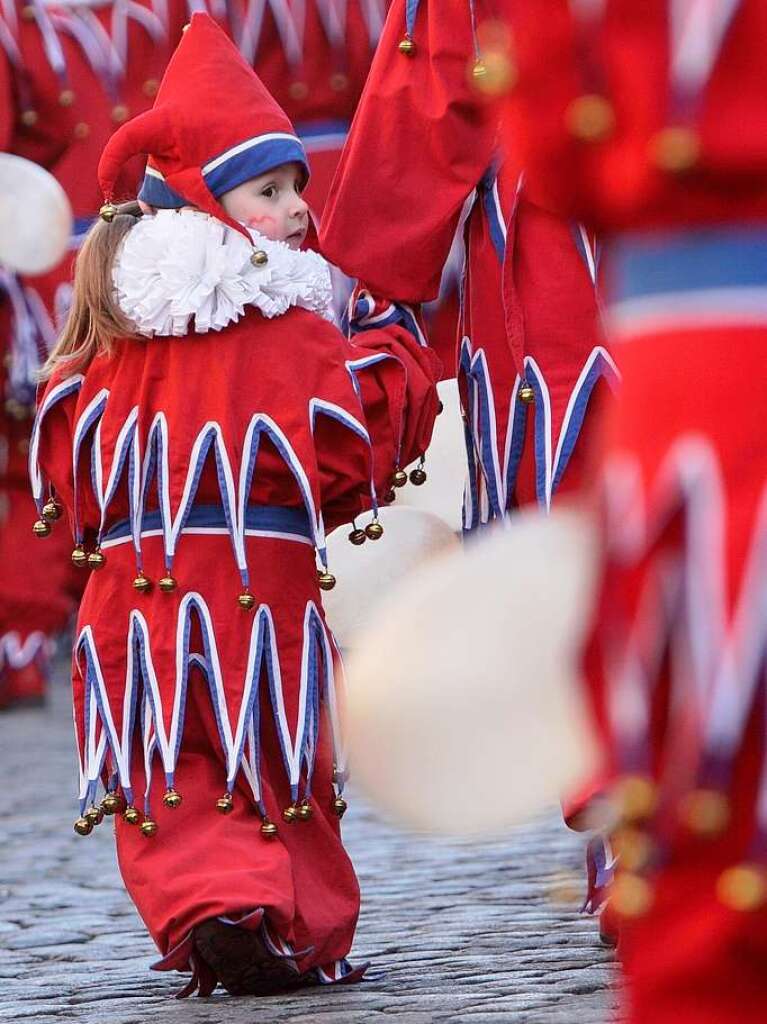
{"x": 614, "y": 183}
{"x": 202, "y": 863}
{"x": 423, "y": 142}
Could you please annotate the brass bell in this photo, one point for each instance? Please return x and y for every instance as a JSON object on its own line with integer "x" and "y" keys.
{"x": 225, "y": 804}
{"x": 94, "y": 815}
{"x": 705, "y": 811}
{"x": 418, "y": 476}
{"x": 108, "y": 212}
{"x": 79, "y": 557}
{"x": 339, "y": 807}
{"x": 675, "y": 149}
{"x": 148, "y": 828}
{"x": 41, "y": 528}
{"x": 96, "y": 560}
{"x": 390, "y": 496}
{"x": 357, "y": 537}
{"x": 29, "y": 117}
{"x": 407, "y": 47}
{"x": 246, "y": 600}
{"x": 479, "y": 70}
{"x": 630, "y": 894}
{"x": 268, "y": 829}
{"x": 112, "y": 803}
{"x": 590, "y": 118}
{"x": 637, "y": 797}
{"x": 167, "y": 584}
{"x": 51, "y": 511}
{"x": 259, "y": 258}
{"x": 326, "y": 580}
{"x": 305, "y": 811}
{"x": 83, "y": 827}
{"x": 290, "y": 814}
{"x": 399, "y": 479}
{"x": 172, "y": 799}
{"x": 66, "y": 97}
{"x": 131, "y": 815}
{"x": 374, "y": 530}
{"x": 526, "y": 395}
{"x": 742, "y": 887}
{"x": 142, "y": 584}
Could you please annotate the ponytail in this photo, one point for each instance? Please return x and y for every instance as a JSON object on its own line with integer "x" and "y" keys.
{"x": 95, "y": 320}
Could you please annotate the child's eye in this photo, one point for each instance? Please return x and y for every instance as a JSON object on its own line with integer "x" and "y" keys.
{"x": 269, "y": 191}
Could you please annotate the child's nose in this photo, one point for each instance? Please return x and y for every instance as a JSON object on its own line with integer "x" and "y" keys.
{"x": 300, "y": 206}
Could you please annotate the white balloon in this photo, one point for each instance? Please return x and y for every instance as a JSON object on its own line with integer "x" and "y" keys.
{"x": 442, "y": 494}
{"x": 464, "y": 709}
{"x": 366, "y": 574}
{"x": 35, "y": 217}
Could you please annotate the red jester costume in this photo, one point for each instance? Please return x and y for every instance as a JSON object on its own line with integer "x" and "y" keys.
{"x": 649, "y": 122}
{"x": 199, "y": 466}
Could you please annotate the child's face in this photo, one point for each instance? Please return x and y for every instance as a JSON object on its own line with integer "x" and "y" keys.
{"x": 272, "y": 204}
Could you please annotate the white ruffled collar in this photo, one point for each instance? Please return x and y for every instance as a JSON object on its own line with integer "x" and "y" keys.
{"x": 180, "y": 266}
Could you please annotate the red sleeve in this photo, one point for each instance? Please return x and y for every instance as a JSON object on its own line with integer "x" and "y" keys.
{"x": 420, "y": 142}
{"x": 396, "y": 379}
{"x": 7, "y": 115}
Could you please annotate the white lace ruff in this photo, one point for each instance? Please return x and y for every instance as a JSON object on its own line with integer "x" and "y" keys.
{"x": 180, "y": 266}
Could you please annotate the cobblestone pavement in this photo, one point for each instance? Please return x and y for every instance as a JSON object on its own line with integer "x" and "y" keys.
{"x": 455, "y": 931}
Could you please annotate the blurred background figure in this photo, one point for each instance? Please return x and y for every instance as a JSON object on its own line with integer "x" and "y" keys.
{"x": 648, "y": 121}
{"x": 426, "y": 161}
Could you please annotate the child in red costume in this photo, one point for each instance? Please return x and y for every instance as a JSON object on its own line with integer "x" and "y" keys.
{"x": 210, "y": 395}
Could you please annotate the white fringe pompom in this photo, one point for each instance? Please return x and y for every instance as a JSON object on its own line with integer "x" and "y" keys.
{"x": 180, "y": 266}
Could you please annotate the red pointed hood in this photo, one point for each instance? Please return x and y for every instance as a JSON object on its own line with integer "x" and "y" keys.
{"x": 212, "y": 127}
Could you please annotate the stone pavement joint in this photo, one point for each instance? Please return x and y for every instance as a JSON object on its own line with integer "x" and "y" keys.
{"x": 471, "y": 933}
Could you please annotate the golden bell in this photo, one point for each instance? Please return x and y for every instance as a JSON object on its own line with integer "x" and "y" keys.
{"x": 399, "y": 479}
{"x": 390, "y": 496}
{"x": 743, "y": 887}
{"x": 590, "y": 118}
{"x": 51, "y": 511}
{"x": 305, "y": 811}
{"x": 167, "y": 584}
{"x": 407, "y": 47}
{"x": 41, "y": 528}
{"x": 418, "y": 476}
{"x": 479, "y": 69}
{"x": 326, "y": 580}
{"x": 259, "y": 258}
{"x": 94, "y": 815}
{"x": 119, "y": 113}
{"x": 268, "y": 829}
{"x": 66, "y": 97}
{"x": 96, "y": 560}
{"x": 339, "y": 806}
{"x": 637, "y": 797}
{"x": 526, "y": 395}
{"x": 172, "y": 799}
{"x": 79, "y": 558}
{"x": 148, "y": 828}
{"x": 225, "y": 804}
{"x": 290, "y": 814}
{"x": 131, "y": 815}
{"x": 29, "y": 118}
{"x": 633, "y": 848}
{"x": 705, "y": 811}
{"x": 107, "y": 212}
{"x": 246, "y": 600}
{"x": 374, "y": 530}
{"x": 357, "y": 537}
{"x": 630, "y": 894}
{"x": 83, "y": 827}
{"x": 112, "y": 803}
{"x": 142, "y": 584}
{"x": 675, "y": 149}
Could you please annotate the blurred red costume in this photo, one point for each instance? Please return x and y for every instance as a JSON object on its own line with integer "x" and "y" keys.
{"x": 649, "y": 122}
{"x": 206, "y": 658}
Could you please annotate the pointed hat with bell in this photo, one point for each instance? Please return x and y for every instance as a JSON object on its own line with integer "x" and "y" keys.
{"x": 213, "y": 126}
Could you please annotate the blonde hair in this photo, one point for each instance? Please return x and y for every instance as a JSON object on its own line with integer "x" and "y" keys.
{"x": 95, "y": 320}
